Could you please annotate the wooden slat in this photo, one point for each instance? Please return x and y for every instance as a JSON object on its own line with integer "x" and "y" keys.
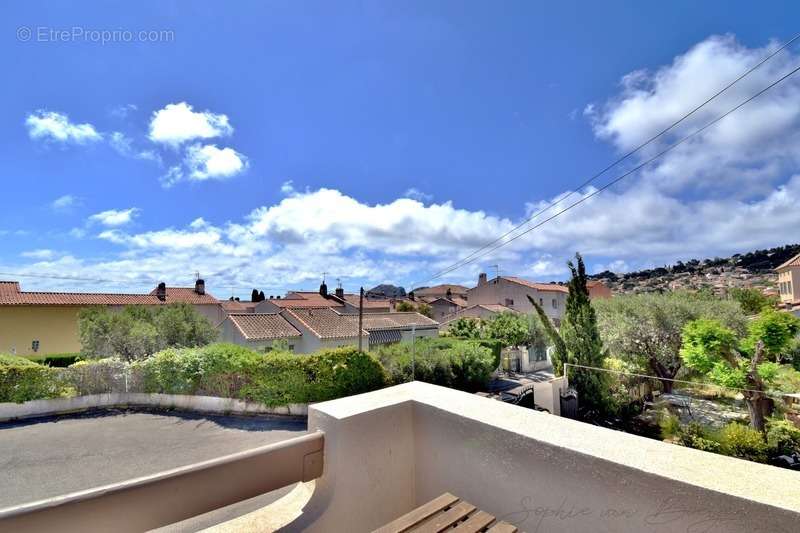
{"x": 445, "y": 520}
{"x": 502, "y": 527}
{"x": 411, "y": 519}
{"x": 475, "y": 523}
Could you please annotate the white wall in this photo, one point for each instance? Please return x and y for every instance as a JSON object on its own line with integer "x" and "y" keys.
{"x": 498, "y": 291}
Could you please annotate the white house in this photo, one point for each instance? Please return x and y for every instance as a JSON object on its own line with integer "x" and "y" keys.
{"x": 512, "y": 293}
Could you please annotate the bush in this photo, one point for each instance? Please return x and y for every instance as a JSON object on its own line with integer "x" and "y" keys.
{"x": 670, "y": 425}
{"x": 459, "y": 364}
{"x": 99, "y": 376}
{"x": 60, "y": 360}
{"x": 744, "y": 442}
{"x": 275, "y": 378}
{"x": 783, "y": 437}
{"x": 22, "y": 380}
{"x": 694, "y": 436}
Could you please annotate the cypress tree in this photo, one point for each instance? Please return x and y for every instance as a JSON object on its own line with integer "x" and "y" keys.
{"x": 254, "y": 296}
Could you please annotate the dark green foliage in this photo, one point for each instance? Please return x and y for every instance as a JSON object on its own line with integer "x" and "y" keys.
{"x": 753, "y": 301}
{"x": 694, "y": 436}
{"x": 60, "y": 360}
{"x": 511, "y": 329}
{"x": 254, "y": 295}
{"x": 22, "y": 380}
{"x": 460, "y": 364}
{"x": 783, "y": 437}
{"x": 404, "y": 307}
{"x": 275, "y": 378}
{"x": 560, "y": 355}
{"x": 583, "y": 344}
{"x": 466, "y": 327}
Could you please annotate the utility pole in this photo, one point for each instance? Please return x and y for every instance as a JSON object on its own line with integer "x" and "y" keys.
{"x": 413, "y": 352}
{"x": 360, "y": 319}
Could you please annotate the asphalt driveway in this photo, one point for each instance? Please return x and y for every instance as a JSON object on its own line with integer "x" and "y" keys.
{"x": 57, "y": 455}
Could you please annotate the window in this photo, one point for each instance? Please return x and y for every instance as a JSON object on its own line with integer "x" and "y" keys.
{"x": 555, "y": 303}
{"x": 509, "y": 302}
{"x": 35, "y": 346}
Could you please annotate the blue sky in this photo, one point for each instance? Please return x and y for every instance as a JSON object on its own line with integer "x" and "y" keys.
{"x": 263, "y": 143}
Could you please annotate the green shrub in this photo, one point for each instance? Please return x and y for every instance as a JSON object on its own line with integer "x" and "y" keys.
{"x": 460, "y": 364}
{"x": 744, "y": 442}
{"x": 275, "y": 378}
{"x": 59, "y": 360}
{"x": 99, "y": 376}
{"x": 22, "y": 380}
{"x": 670, "y": 425}
{"x": 694, "y": 436}
{"x": 783, "y": 437}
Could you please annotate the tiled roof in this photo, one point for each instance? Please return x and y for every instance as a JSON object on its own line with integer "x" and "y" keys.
{"x": 263, "y": 326}
{"x": 494, "y": 308}
{"x": 187, "y": 295}
{"x": 369, "y": 303}
{"x": 10, "y": 294}
{"x": 793, "y": 262}
{"x": 305, "y": 299}
{"x": 440, "y": 290}
{"x": 397, "y": 321}
{"x": 325, "y": 322}
{"x": 460, "y": 302}
{"x": 538, "y": 286}
{"x": 235, "y": 306}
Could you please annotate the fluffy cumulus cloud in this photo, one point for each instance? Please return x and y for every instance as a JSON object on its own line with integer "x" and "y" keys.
{"x": 733, "y": 188}
{"x": 114, "y": 217}
{"x": 178, "y": 123}
{"x": 57, "y": 127}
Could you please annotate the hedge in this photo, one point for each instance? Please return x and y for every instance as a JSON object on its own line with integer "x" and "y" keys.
{"x": 22, "y": 380}
{"x": 232, "y": 371}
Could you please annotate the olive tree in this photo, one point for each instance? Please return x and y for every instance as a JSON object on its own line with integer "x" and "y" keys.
{"x": 645, "y": 329}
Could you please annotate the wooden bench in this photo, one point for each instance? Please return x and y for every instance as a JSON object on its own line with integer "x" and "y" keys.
{"x": 447, "y": 513}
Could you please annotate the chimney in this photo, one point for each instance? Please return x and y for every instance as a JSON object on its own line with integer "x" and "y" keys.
{"x": 339, "y": 292}
{"x": 482, "y": 278}
{"x": 161, "y": 291}
{"x": 323, "y": 289}
{"x": 200, "y": 286}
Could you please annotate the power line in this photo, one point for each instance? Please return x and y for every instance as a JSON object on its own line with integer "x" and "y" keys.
{"x": 456, "y": 266}
{"x": 558, "y": 200}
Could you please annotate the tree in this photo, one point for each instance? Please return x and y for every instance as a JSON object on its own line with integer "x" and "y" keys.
{"x": 777, "y": 330}
{"x": 753, "y": 301}
{"x": 559, "y": 356}
{"x": 711, "y": 348}
{"x": 404, "y": 307}
{"x": 138, "y": 331}
{"x": 582, "y": 340}
{"x": 511, "y": 329}
{"x": 645, "y": 329}
{"x": 425, "y": 309}
{"x": 465, "y": 327}
{"x": 254, "y": 295}
{"x": 261, "y": 296}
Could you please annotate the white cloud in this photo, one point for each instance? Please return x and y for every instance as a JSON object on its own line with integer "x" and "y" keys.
{"x": 65, "y": 202}
{"x": 205, "y": 162}
{"x": 50, "y": 125}
{"x": 114, "y": 217}
{"x": 287, "y": 188}
{"x": 123, "y": 145}
{"x": 38, "y": 254}
{"x": 178, "y": 123}
{"x": 416, "y": 194}
{"x": 122, "y": 111}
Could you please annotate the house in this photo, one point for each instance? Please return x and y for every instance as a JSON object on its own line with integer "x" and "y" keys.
{"x": 598, "y": 290}
{"x": 789, "y": 284}
{"x": 441, "y": 291}
{"x": 513, "y": 292}
{"x": 443, "y": 307}
{"x": 480, "y": 311}
{"x": 308, "y": 329}
{"x": 47, "y": 322}
{"x": 259, "y": 331}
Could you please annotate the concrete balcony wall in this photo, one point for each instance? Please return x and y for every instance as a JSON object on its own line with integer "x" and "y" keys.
{"x": 391, "y": 450}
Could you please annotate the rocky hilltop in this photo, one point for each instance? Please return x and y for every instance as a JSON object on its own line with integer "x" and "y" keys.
{"x": 752, "y": 269}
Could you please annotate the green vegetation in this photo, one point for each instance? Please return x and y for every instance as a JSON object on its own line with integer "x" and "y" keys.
{"x": 466, "y": 327}
{"x": 728, "y": 360}
{"x": 138, "y": 331}
{"x": 404, "y": 307}
{"x": 752, "y": 301}
{"x": 645, "y": 329}
{"x": 459, "y": 364}
{"x": 22, "y": 380}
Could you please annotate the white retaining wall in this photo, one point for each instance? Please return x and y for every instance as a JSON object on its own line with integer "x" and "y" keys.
{"x": 205, "y": 404}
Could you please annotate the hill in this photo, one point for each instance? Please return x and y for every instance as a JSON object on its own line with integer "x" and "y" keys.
{"x": 752, "y": 269}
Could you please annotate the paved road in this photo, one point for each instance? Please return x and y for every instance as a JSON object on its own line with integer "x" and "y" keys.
{"x": 57, "y": 455}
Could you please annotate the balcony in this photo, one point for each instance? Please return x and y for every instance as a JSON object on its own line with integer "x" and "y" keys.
{"x": 389, "y": 451}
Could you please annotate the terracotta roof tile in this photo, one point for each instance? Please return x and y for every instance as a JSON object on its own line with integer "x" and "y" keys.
{"x": 397, "y": 321}
{"x": 10, "y": 294}
{"x": 326, "y": 323}
{"x": 263, "y": 326}
{"x": 553, "y": 287}
{"x": 187, "y": 295}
